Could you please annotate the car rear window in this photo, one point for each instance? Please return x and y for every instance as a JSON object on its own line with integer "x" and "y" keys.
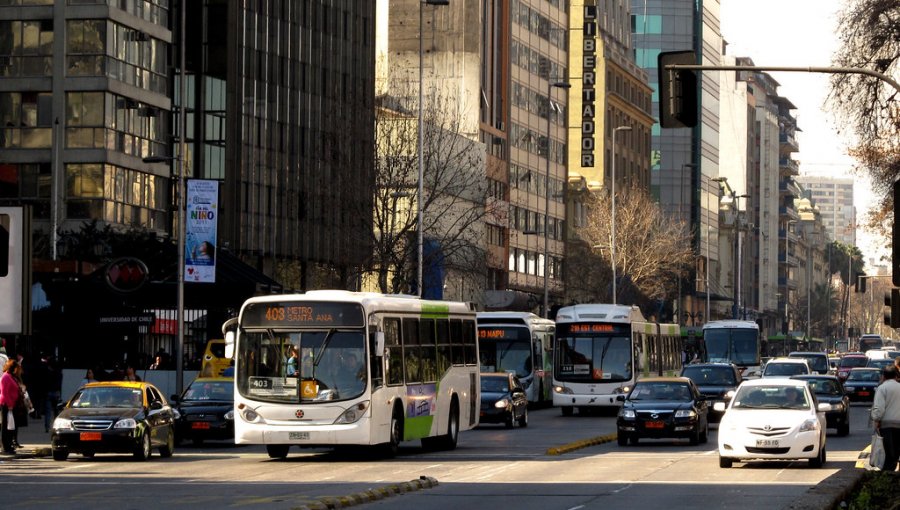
{"x": 854, "y": 361}
{"x": 816, "y": 362}
{"x": 710, "y": 376}
{"x": 785, "y": 369}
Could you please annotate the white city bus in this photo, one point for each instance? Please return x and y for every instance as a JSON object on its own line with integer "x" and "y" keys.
{"x": 732, "y": 341}
{"x": 602, "y": 349}
{"x": 332, "y": 368}
{"x": 522, "y": 343}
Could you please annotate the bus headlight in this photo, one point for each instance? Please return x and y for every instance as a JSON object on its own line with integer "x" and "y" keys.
{"x": 562, "y": 390}
{"x": 250, "y": 415}
{"x": 501, "y": 404}
{"x": 353, "y": 414}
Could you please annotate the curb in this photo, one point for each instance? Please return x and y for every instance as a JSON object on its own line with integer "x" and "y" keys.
{"x": 831, "y": 492}
{"x": 367, "y": 496}
{"x": 577, "y": 445}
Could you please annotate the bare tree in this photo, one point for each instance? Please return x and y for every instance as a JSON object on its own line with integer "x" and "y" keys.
{"x": 652, "y": 250}
{"x": 454, "y": 204}
{"x": 865, "y": 105}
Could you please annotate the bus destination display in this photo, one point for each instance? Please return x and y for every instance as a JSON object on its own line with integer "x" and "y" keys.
{"x": 303, "y": 314}
{"x": 498, "y": 334}
{"x": 593, "y": 328}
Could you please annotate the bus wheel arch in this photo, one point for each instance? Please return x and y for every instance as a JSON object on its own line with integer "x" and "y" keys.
{"x": 395, "y": 431}
{"x": 449, "y": 441}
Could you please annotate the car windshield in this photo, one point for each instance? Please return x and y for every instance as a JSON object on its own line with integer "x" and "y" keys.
{"x": 824, "y": 386}
{"x": 710, "y": 376}
{"x": 661, "y": 391}
{"x": 494, "y": 384}
{"x": 775, "y": 368}
{"x": 209, "y": 390}
{"x": 864, "y": 375}
{"x": 853, "y": 361}
{"x": 816, "y": 362}
{"x": 107, "y": 397}
{"x": 770, "y": 397}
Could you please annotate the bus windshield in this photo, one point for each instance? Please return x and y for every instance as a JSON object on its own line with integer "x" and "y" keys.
{"x": 308, "y": 366}
{"x": 731, "y": 345}
{"x": 593, "y": 358}
{"x": 505, "y": 349}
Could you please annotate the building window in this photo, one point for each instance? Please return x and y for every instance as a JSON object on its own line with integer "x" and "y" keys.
{"x": 26, "y": 48}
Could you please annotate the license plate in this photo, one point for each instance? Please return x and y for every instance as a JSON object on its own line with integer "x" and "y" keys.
{"x": 298, "y": 436}
{"x": 655, "y": 425}
{"x": 200, "y": 425}
{"x": 863, "y": 393}
{"x": 90, "y": 436}
{"x": 767, "y": 443}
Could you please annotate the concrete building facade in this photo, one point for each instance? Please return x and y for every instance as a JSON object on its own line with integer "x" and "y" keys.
{"x": 834, "y": 198}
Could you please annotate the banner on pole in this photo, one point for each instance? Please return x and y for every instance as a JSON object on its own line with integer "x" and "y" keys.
{"x": 201, "y": 229}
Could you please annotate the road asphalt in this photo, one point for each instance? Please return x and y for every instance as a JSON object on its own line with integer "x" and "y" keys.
{"x": 827, "y": 495}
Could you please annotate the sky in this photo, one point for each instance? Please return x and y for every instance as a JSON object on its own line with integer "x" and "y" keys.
{"x": 802, "y": 33}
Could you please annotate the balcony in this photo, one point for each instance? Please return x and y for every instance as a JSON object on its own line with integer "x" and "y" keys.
{"x": 789, "y": 212}
{"x": 788, "y": 141}
{"x": 789, "y": 166}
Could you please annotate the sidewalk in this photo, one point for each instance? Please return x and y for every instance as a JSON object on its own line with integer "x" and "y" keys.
{"x": 35, "y": 442}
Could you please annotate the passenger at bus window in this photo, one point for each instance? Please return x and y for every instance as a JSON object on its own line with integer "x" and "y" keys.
{"x": 293, "y": 361}
{"x": 350, "y": 377}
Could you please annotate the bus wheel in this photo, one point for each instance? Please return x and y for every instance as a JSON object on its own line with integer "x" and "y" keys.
{"x": 448, "y": 442}
{"x": 566, "y": 410}
{"x": 277, "y": 451}
{"x": 396, "y": 434}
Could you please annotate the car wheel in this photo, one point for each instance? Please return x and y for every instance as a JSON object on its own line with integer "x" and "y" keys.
{"x": 695, "y": 436}
{"x": 819, "y": 460}
{"x": 704, "y": 436}
{"x": 633, "y": 440}
{"x": 277, "y": 451}
{"x": 143, "y": 451}
{"x": 168, "y": 449}
{"x": 725, "y": 462}
{"x": 60, "y": 454}
{"x": 622, "y": 439}
{"x": 844, "y": 429}
{"x": 566, "y": 410}
{"x": 509, "y": 420}
{"x": 523, "y": 421}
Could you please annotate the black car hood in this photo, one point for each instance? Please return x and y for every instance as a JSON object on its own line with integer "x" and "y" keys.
{"x": 491, "y": 395}
{"x": 715, "y": 390}
{"x": 656, "y": 405}
{"x": 204, "y": 406}
{"x": 112, "y": 413}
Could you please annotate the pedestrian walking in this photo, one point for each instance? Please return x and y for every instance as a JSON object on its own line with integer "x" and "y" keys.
{"x": 886, "y": 416}
{"x": 9, "y": 395}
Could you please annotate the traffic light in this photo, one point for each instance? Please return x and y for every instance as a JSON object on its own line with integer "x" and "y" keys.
{"x": 861, "y": 282}
{"x": 892, "y": 316}
{"x": 677, "y": 90}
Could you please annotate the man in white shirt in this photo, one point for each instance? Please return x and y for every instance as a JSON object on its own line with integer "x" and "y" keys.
{"x": 886, "y": 415}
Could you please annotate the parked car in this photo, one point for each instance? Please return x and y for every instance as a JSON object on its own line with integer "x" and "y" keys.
{"x": 716, "y": 381}
{"x": 773, "y": 419}
{"x": 114, "y": 417}
{"x": 786, "y": 367}
{"x": 205, "y": 411}
{"x": 818, "y": 361}
{"x": 503, "y": 400}
{"x": 861, "y": 383}
{"x": 850, "y": 361}
{"x": 828, "y": 389}
{"x": 664, "y": 407}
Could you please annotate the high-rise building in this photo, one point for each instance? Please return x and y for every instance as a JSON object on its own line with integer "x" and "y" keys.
{"x": 834, "y": 198}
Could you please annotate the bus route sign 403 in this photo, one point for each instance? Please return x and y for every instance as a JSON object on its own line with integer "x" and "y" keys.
{"x": 309, "y": 314}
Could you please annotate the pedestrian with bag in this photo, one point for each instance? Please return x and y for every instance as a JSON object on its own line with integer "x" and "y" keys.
{"x": 9, "y": 395}
{"x": 886, "y": 417}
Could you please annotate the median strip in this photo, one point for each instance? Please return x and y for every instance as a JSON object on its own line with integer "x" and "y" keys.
{"x": 570, "y": 447}
{"x": 367, "y": 496}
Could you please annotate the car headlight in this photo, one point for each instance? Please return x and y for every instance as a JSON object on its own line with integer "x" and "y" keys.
{"x": 62, "y": 424}
{"x": 623, "y": 390}
{"x": 229, "y": 415}
{"x": 729, "y": 394}
{"x": 563, "y": 390}
{"x": 810, "y": 425}
{"x": 501, "y": 404}
{"x": 353, "y": 414}
{"x": 125, "y": 423}
{"x": 685, "y": 413}
{"x": 628, "y": 414}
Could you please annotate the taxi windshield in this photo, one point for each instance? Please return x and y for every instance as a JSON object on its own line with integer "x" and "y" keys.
{"x": 107, "y": 397}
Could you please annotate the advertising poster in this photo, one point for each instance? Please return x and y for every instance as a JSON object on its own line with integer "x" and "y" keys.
{"x": 201, "y": 222}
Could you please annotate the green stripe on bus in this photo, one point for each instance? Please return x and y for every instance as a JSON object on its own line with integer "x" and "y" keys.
{"x": 435, "y": 311}
{"x": 417, "y": 428}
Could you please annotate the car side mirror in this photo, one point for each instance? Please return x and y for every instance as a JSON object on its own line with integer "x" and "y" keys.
{"x": 824, "y": 407}
{"x": 173, "y": 398}
{"x": 620, "y": 398}
{"x": 156, "y": 405}
{"x": 719, "y": 406}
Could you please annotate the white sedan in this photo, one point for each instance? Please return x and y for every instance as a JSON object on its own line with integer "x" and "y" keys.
{"x": 776, "y": 419}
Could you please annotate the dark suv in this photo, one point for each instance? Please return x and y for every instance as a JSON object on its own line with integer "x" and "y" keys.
{"x": 716, "y": 381}
{"x": 818, "y": 361}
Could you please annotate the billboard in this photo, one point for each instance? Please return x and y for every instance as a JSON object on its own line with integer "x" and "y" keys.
{"x": 201, "y": 229}
{"x": 15, "y": 270}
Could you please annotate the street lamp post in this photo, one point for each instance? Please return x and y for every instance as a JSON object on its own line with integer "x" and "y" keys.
{"x": 612, "y": 244}
{"x": 182, "y": 167}
{"x": 550, "y": 85}
{"x": 421, "y": 176}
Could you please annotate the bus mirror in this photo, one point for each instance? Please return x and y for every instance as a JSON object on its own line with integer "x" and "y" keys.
{"x": 379, "y": 343}
{"x": 229, "y": 344}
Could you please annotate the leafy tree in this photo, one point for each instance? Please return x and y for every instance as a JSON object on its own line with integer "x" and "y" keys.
{"x": 652, "y": 249}
{"x": 865, "y": 105}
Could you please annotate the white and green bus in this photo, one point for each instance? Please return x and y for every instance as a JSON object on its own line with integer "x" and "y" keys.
{"x": 522, "y": 343}
{"x": 602, "y": 349}
{"x": 333, "y": 368}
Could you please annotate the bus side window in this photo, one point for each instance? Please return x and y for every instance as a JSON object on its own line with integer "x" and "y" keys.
{"x": 470, "y": 340}
{"x": 456, "y": 339}
{"x": 394, "y": 351}
{"x": 444, "y": 352}
{"x": 376, "y": 362}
